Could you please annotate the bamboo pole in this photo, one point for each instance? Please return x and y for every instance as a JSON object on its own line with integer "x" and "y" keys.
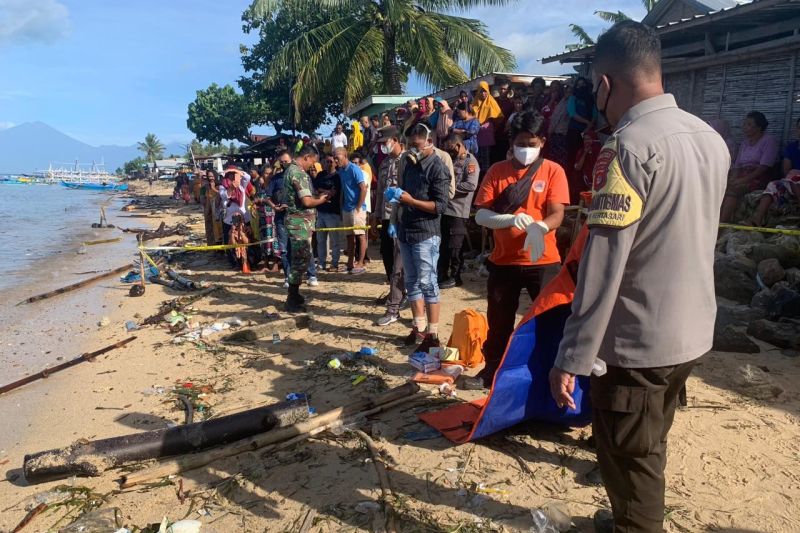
{"x": 103, "y": 241}
{"x": 296, "y": 432}
{"x": 58, "y": 368}
{"x": 78, "y": 285}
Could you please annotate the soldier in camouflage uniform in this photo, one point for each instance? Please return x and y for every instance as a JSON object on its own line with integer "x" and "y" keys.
{"x": 300, "y": 218}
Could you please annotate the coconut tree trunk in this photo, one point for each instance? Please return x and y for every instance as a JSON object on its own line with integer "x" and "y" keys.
{"x": 391, "y": 71}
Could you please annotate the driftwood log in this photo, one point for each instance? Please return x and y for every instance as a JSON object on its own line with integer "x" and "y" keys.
{"x": 63, "y": 366}
{"x": 78, "y": 285}
{"x": 93, "y": 457}
{"x": 290, "y": 434}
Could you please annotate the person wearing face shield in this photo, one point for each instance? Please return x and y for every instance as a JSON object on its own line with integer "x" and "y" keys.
{"x": 644, "y": 306}
{"x": 420, "y": 200}
{"x": 522, "y": 200}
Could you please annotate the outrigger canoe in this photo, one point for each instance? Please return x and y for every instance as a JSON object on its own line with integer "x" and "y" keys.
{"x": 96, "y": 186}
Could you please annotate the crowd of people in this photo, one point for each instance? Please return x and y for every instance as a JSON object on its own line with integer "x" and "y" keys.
{"x": 512, "y": 158}
{"x": 413, "y": 177}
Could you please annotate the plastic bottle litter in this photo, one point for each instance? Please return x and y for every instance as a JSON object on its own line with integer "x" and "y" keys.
{"x": 366, "y": 350}
{"x": 541, "y": 524}
{"x": 292, "y": 396}
{"x": 130, "y": 325}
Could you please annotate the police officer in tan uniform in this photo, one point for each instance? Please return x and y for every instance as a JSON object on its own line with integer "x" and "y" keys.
{"x": 644, "y": 303}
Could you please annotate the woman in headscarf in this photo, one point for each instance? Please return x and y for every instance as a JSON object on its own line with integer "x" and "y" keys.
{"x": 490, "y": 116}
{"x": 444, "y": 120}
{"x": 356, "y": 139}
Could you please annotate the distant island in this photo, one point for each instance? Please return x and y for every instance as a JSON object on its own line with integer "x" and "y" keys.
{"x": 32, "y": 146}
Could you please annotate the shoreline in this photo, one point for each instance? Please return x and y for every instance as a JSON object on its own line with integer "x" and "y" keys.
{"x": 726, "y": 445}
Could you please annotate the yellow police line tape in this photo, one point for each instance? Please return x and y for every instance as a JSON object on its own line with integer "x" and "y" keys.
{"x": 218, "y": 247}
{"x": 795, "y": 232}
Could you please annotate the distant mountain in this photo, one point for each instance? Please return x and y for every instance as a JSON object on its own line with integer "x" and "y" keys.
{"x": 32, "y": 146}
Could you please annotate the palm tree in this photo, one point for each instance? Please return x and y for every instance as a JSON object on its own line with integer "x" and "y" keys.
{"x": 608, "y": 16}
{"x": 382, "y": 36}
{"x": 153, "y": 148}
{"x": 583, "y": 38}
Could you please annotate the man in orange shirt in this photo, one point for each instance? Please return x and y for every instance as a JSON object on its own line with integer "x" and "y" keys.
{"x": 522, "y": 199}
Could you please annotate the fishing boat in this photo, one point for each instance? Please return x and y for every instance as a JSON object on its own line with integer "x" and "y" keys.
{"x": 96, "y": 186}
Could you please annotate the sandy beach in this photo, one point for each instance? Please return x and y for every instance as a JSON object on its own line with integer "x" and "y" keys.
{"x": 733, "y": 452}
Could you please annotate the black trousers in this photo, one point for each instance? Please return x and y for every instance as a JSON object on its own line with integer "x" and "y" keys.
{"x": 504, "y": 286}
{"x": 387, "y": 250}
{"x": 454, "y": 231}
{"x": 632, "y": 412}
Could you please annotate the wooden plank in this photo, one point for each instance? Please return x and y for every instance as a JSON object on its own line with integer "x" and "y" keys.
{"x": 733, "y": 56}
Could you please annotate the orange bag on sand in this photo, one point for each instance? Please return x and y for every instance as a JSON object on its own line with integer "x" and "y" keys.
{"x": 470, "y": 329}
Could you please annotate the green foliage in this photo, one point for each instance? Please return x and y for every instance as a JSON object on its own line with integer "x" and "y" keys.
{"x": 612, "y": 17}
{"x": 273, "y": 105}
{"x": 220, "y": 113}
{"x": 199, "y": 149}
{"x": 151, "y": 147}
{"x": 608, "y": 16}
{"x": 370, "y": 46}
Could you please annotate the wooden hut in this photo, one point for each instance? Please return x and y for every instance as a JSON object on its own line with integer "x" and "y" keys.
{"x": 727, "y": 62}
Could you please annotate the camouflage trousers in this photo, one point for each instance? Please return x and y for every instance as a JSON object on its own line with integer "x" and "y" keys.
{"x": 301, "y": 258}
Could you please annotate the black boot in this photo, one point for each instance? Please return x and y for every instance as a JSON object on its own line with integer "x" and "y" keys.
{"x": 294, "y": 304}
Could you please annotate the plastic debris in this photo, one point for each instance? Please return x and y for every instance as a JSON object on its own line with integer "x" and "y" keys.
{"x": 367, "y": 507}
{"x": 130, "y": 325}
{"x": 104, "y": 322}
{"x": 181, "y": 526}
{"x": 359, "y": 379}
{"x": 424, "y": 362}
{"x": 276, "y": 339}
{"x": 366, "y": 350}
{"x": 483, "y": 489}
{"x": 292, "y": 396}
{"x": 152, "y": 391}
{"x": 335, "y": 364}
{"x": 447, "y": 389}
{"x": 542, "y": 524}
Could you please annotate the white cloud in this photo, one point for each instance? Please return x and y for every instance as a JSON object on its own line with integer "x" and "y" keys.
{"x": 5, "y": 124}
{"x": 38, "y": 21}
{"x": 534, "y": 29}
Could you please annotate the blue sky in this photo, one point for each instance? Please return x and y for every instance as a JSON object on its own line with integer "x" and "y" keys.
{"x": 109, "y": 71}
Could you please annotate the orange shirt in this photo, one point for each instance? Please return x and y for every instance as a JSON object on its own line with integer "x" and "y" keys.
{"x": 549, "y": 185}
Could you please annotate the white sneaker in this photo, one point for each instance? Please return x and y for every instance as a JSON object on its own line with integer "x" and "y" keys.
{"x": 312, "y": 282}
{"x": 286, "y": 284}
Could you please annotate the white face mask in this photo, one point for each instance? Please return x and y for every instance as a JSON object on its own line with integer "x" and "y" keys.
{"x": 386, "y": 148}
{"x": 526, "y": 155}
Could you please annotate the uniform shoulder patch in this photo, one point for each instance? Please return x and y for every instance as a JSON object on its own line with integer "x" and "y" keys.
{"x": 615, "y": 202}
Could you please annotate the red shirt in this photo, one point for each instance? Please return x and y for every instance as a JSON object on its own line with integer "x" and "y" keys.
{"x": 549, "y": 185}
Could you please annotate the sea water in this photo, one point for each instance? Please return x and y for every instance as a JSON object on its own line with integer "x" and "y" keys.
{"x": 39, "y": 223}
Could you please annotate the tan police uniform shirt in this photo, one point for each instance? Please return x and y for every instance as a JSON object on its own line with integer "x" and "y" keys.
{"x": 645, "y": 290}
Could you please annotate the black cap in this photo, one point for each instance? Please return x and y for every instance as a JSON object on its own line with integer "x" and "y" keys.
{"x": 386, "y": 133}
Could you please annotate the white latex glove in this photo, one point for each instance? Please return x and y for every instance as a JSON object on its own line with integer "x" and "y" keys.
{"x": 534, "y": 242}
{"x": 522, "y": 221}
{"x": 492, "y": 220}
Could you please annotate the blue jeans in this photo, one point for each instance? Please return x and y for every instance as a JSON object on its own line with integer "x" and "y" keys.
{"x": 282, "y": 247}
{"x": 329, "y": 220}
{"x": 419, "y": 266}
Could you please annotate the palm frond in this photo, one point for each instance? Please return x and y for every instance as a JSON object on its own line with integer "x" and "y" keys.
{"x": 468, "y": 39}
{"x": 610, "y": 16}
{"x": 461, "y": 5}
{"x": 319, "y": 58}
{"x": 423, "y": 40}
{"x": 366, "y": 59}
{"x": 266, "y": 8}
{"x": 581, "y": 34}
{"x": 649, "y": 4}
{"x": 296, "y": 55}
